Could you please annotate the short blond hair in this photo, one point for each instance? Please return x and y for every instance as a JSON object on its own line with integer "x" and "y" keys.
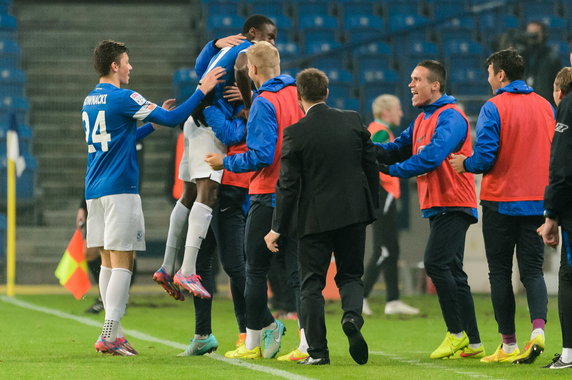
{"x": 265, "y": 57}
{"x": 383, "y": 103}
{"x": 563, "y": 80}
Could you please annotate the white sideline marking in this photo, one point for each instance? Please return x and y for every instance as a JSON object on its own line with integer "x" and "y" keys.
{"x": 432, "y": 366}
{"x": 150, "y": 338}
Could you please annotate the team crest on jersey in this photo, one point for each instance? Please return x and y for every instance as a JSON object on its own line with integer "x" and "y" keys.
{"x": 561, "y": 127}
{"x": 138, "y": 98}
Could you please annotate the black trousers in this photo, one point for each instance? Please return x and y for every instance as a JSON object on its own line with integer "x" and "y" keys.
{"x": 315, "y": 252}
{"x": 565, "y": 289}
{"x": 502, "y": 233}
{"x": 444, "y": 265}
{"x": 385, "y": 249}
{"x": 226, "y": 231}
{"x": 259, "y": 258}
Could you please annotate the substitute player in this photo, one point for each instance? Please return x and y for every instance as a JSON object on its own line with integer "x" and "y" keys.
{"x": 115, "y": 217}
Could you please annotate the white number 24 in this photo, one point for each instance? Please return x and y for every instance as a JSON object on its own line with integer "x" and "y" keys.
{"x": 102, "y": 137}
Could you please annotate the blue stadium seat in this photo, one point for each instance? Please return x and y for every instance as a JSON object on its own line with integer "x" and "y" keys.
{"x": 25, "y": 184}
{"x": 400, "y": 8}
{"x": 184, "y": 83}
{"x": 530, "y": 9}
{"x": 415, "y": 52}
{"x": 375, "y": 75}
{"x": 288, "y": 50}
{"x": 372, "y": 55}
{"x": 456, "y": 28}
{"x": 316, "y": 47}
{"x": 344, "y": 103}
{"x": 8, "y": 26}
{"x": 17, "y": 105}
{"x": 340, "y": 90}
{"x": 446, "y": 9}
{"x": 318, "y": 27}
{"x": 269, "y": 8}
{"x": 357, "y": 7}
{"x": 363, "y": 27}
{"x": 463, "y": 53}
{"x": 468, "y": 81}
{"x": 411, "y": 25}
{"x": 556, "y": 25}
{"x": 562, "y": 49}
{"x": 223, "y": 25}
{"x": 12, "y": 82}
{"x": 9, "y": 54}
{"x": 493, "y": 22}
{"x": 221, "y": 7}
{"x": 312, "y": 7}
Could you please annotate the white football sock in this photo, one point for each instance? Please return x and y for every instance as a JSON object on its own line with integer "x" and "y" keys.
{"x": 109, "y": 331}
{"x": 104, "y": 276}
{"x": 252, "y": 338}
{"x": 179, "y": 217}
{"x": 303, "y": 346}
{"x": 566, "y": 356}
{"x": 199, "y": 221}
{"x": 117, "y": 294}
{"x": 509, "y": 348}
{"x": 536, "y": 332}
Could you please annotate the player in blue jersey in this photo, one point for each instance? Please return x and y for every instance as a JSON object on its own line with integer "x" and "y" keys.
{"x": 115, "y": 217}
{"x": 201, "y": 182}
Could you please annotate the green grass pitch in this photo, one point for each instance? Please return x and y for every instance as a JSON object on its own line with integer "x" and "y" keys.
{"x": 39, "y": 345}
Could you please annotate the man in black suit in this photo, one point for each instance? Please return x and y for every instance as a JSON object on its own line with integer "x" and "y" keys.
{"x": 326, "y": 195}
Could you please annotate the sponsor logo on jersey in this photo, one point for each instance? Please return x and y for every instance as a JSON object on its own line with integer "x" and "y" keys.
{"x": 138, "y": 98}
{"x": 561, "y": 127}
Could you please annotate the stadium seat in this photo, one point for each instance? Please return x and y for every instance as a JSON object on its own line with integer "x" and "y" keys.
{"x": 375, "y": 75}
{"x": 556, "y": 25}
{"x": 400, "y": 8}
{"x": 17, "y": 105}
{"x": 414, "y": 53}
{"x": 12, "y": 82}
{"x": 446, "y": 9}
{"x": 317, "y": 47}
{"x": 357, "y": 7}
{"x": 468, "y": 81}
{"x": 9, "y": 54}
{"x": 411, "y": 26}
{"x": 25, "y": 184}
{"x": 344, "y": 103}
{"x": 269, "y": 8}
{"x": 562, "y": 49}
{"x": 372, "y": 55}
{"x": 288, "y": 50}
{"x": 363, "y": 27}
{"x": 312, "y": 7}
{"x": 223, "y": 25}
{"x": 184, "y": 83}
{"x": 530, "y": 9}
{"x": 318, "y": 27}
{"x": 456, "y": 28}
{"x": 463, "y": 53}
{"x": 221, "y": 7}
{"x": 8, "y": 26}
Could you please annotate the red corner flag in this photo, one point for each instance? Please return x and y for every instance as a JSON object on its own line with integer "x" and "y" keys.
{"x": 72, "y": 269}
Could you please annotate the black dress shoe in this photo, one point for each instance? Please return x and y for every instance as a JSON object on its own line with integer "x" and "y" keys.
{"x": 358, "y": 345}
{"x": 311, "y": 361}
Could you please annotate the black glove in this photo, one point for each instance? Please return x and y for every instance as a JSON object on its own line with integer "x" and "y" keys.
{"x": 383, "y": 168}
{"x": 381, "y": 155}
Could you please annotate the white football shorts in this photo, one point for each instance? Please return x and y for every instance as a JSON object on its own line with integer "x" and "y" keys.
{"x": 116, "y": 223}
{"x": 198, "y": 142}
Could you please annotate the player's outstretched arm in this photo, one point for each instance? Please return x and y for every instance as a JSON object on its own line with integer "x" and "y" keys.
{"x": 178, "y": 115}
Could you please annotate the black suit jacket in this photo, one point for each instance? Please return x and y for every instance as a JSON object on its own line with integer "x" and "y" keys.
{"x": 328, "y": 174}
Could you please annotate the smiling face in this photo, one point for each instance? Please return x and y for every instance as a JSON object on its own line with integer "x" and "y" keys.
{"x": 424, "y": 91}
{"x": 267, "y": 32}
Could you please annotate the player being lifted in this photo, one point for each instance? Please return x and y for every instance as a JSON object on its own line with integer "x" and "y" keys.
{"x": 201, "y": 182}
{"x": 115, "y": 216}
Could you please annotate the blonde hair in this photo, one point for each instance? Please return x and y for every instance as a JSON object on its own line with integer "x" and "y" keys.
{"x": 265, "y": 57}
{"x": 563, "y": 80}
{"x": 383, "y": 103}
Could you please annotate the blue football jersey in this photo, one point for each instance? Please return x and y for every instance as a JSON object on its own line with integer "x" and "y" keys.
{"x": 110, "y": 117}
{"x": 226, "y": 58}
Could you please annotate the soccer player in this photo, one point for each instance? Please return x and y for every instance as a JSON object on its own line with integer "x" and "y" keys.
{"x": 514, "y": 131}
{"x": 446, "y": 198}
{"x": 274, "y": 108}
{"x": 201, "y": 183}
{"x": 115, "y": 217}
